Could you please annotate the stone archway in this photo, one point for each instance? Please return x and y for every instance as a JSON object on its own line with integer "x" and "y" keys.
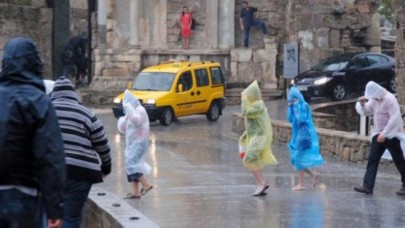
{"x": 399, "y": 11}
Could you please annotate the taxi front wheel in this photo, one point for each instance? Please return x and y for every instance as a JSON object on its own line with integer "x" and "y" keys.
{"x": 214, "y": 112}
{"x": 167, "y": 116}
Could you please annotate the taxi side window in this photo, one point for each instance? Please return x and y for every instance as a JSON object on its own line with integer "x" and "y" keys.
{"x": 202, "y": 77}
{"x": 185, "y": 80}
{"x": 216, "y": 75}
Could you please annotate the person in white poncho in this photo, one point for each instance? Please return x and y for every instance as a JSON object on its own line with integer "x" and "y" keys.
{"x": 135, "y": 126}
{"x": 387, "y": 133}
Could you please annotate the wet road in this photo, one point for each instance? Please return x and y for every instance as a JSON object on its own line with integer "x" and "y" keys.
{"x": 199, "y": 181}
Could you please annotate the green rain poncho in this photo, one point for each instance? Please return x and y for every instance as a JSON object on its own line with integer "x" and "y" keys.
{"x": 258, "y": 134}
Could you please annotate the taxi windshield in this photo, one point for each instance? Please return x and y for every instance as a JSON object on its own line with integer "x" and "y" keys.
{"x": 153, "y": 81}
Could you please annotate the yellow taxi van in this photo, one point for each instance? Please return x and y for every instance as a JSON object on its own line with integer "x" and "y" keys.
{"x": 173, "y": 89}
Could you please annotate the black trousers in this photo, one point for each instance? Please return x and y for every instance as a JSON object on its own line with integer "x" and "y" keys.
{"x": 377, "y": 149}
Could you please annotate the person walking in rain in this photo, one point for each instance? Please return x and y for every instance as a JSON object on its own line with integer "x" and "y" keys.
{"x": 88, "y": 158}
{"x": 304, "y": 143}
{"x": 32, "y": 162}
{"x": 257, "y": 138}
{"x": 387, "y": 133}
{"x": 135, "y": 126}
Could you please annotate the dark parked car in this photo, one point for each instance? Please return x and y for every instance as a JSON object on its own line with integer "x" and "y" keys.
{"x": 340, "y": 75}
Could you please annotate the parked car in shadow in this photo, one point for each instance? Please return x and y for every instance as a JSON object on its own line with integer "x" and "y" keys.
{"x": 339, "y": 75}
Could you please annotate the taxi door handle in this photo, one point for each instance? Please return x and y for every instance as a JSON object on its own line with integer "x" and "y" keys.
{"x": 192, "y": 93}
{"x": 198, "y": 92}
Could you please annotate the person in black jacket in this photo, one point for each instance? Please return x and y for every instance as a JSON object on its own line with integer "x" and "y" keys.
{"x": 86, "y": 147}
{"x": 32, "y": 162}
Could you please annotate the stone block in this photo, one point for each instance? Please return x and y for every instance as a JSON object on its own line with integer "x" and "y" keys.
{"x": 334, "y": 38}
{"x": 264, "y": 55}
{"x": 362, "y": 6}
{"x": 323, "y": 38}
{"x": 241, "y": 55}
{"x": 249, "y": 71}
{"x": 269, "y": 74}
{"x": 350, "y": 8}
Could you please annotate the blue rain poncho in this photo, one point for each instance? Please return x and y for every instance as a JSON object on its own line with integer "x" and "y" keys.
{"x": 304, "y": 143}
{"x": 135, "y": 126}
{"x": 258, "y": 134}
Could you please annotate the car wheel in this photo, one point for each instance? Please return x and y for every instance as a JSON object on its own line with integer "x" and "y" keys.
{"x": 213, "y": 112}
{"x": 167, "y": 117}
{"x": 393, "y": 85}
{"x": 338, "y": 92}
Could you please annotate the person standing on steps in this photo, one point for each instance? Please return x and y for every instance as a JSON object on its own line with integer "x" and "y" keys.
{"x": 249, "y": 18}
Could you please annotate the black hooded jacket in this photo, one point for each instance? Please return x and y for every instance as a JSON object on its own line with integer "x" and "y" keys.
{"x": 31, "y": 146}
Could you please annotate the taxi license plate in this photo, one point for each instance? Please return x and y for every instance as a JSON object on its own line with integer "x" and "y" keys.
{"x": 302, "y": 88}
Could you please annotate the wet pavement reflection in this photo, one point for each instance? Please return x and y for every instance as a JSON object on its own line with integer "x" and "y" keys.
{"x": 199, "y": 181}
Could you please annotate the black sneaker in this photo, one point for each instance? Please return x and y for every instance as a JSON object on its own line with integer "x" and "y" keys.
{"x": 365, "y": 190}
{"x": 401, "y": 191}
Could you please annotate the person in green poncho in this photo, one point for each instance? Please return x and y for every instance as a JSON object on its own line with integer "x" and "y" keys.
{"x": 257, "y": 138}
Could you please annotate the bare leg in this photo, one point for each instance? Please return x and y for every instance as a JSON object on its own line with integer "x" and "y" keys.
{"x": 187, "y": 43}
{"x": 135, "y": 188}
{"x": 259, "y": 178}
{"x": 314, "y": 176}
{"x": 144, "y": 182}
{"x": 300, "y": 185}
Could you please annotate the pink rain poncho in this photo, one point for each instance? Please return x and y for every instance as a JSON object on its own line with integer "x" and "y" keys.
{"x": 304, "y": 143}
{"x": 257, "y": 137}
{"x": 135, "y": 126}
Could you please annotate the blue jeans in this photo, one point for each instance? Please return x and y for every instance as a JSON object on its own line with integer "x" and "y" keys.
{"x": 75, "y": 196}
{"x": 246, "y": 31}
{"x": 376, "y": 151}
{"x": 19, "y": 210}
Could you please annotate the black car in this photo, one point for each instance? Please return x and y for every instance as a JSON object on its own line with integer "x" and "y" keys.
{"x": 339, "y": 75}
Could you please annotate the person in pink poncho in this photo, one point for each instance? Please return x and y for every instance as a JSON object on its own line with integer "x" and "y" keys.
{"x": 135, "y": 126}
{"x": 387, "y": 133}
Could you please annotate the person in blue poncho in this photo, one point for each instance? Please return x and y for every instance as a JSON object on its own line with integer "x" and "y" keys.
{"x": 304, "y": 143}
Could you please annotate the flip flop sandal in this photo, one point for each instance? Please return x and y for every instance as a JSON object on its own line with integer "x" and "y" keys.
{"x": 264, "y": 189}
{"x": 144, "y": 191}
{"x": 132, "y": 196}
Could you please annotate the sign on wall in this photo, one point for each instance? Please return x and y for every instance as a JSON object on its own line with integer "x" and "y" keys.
{"x": 291, "y": 60}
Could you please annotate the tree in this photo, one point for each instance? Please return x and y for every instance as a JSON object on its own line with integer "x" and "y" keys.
{"x": 386, "y": 10}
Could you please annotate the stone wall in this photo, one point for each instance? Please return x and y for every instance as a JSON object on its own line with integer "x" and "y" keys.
{"x": 335, "y": 144}
{"x": 33, "y": 19}
{"x": 30, "y": 19}
{"x": 322, "y": 28}
{"x": 341, "y": 116}
{"x": 399, "y": 10}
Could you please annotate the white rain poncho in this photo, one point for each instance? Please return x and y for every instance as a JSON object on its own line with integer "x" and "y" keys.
{"x": 258, "y": 135}
{"x": 135, "y": 126}
{"x": 384, "y": 108}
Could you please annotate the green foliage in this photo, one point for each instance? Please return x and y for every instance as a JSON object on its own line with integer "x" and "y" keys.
{"x": 386, "y": 10}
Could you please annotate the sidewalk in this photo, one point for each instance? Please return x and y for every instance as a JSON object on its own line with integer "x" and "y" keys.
{"x": 199, "y": 181}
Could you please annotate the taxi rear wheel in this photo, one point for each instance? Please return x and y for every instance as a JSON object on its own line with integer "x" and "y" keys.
{"x": 214, "y": 112}
{"x": 167, "y": 116}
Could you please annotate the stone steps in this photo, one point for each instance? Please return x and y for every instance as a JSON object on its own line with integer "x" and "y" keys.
{"x": 233, "y": 95}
